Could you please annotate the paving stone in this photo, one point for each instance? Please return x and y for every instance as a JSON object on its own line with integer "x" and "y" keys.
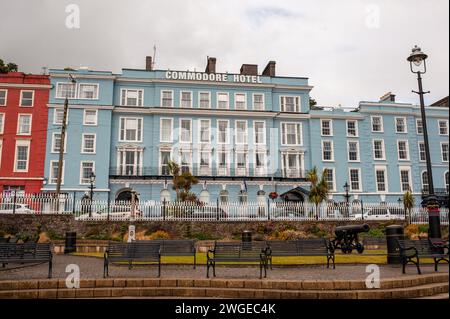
{"x": 100, "y": 283}
{"x": 132, "y": 292}
{"x": 87, "y": 283}
{"x": 235, "y": 284}
{"x": 84, "y": 293}
{"x": 134, "y": 282}
{"x": 185, "y": 283}
{"x": 48, "y": 284}
{"x": 279, "y": 285}
{"x": 8, "y": 294}
{"x": 167, "y": 282}
{"x": 102, "y": 292}
{"x": 357, "y": 284}
{"x": 254, "y": 284}
{"x": 307, "y": 295}
{"x": 29, "y": 294}
{"x": 246, "y": 293}
{"x": 66, "y": 293}
{"x": 272, "y": 294}
{"x": 120, "y": 282}
{"x": 218, "y": 283}
{"x": 341, "y": 285}
{"x": 47, "y": 294}
{"x": 189, "y": 292}
{"x": 202, "y": 283}
{"x": 28, "y": 284}
{"x": 9, "y": 285}
{"x": 294, "y": 285}
{"x": 150, "y": 282}
{"x": 116, "y": 292}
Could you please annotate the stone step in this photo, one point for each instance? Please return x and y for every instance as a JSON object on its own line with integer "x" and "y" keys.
{"x": 333, "y": 285}
{"x": 210, "y": 292}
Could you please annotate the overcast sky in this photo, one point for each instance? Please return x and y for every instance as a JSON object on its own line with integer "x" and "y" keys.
{"x": 350, "y": 50}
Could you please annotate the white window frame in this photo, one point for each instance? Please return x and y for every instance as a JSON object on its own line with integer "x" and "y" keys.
{"x": 228, "y": 100}
{"x": 160, "y": 158}
{"x": 95, "y": 93}
{"x": 428, "y": 180}
{"x": 359, "y": 179}
{"x": 21, "y": 97}
{"x": 386, "y": 186}
{"x": 172, "y": 97}
{"x": 201, "y": 169}
{"x": 81, "y": 171}
{"x": 298, "y": 126}
{"x": 404, "y": 122}
{"x": 332, "y": 151}
{"x": 383, "y": 148}
{"x": 54, "y": 115}
{"x": 245, "y": 100}
{"x": 189, "y": 163}
{"x": 51, "y": 177}
{"x": 83, "y": 151}
{"x": 381, "y": 124}
{"x": 1, "y": 152}
{"x": 53, "y": 143}
{"x": 227, "y": 132}
{"x": 181, "y": 130}
{"x": 161, "y": 131}
{"x": 439, "y": 127}
{"x": 330, "y": 128}
{"x": 18, "y": 123}
{"x": 200, "y": 131}
{"x": 238, "y": 170}
{"x": 356, "y": 128}
{"x": 58, "y": 90}
{"x": 22, "y": 143}
{"x": 245, "y": 136}
{"x": 181, "y": 99}
{"x": 220, "y": 170}
{"x": 124, "y": 103}
{"x": 447, "y": 186}
{"x": 407, "y": 150}
{"x": 2, "y": 123}
{"x": 264, "y": 133}
{"x": 260, "y": 171}
{"x": 84, "y": 117}
{"x": 263, "y": 102}
{"x": 417, "y": 127}
{"x": 357, "y": 151}
{"x": 6, "y": 97}
{"x": 199, "y": 99}
{"x": 287, "y": 170}
{"x": 334, "y": 177}
{"x": 442, "y": 152}
{"x": 405, "y": 168}
{"x": 297, "y": 107}
{"x": 418, "y": 148}
{"x": 139, "y": 137}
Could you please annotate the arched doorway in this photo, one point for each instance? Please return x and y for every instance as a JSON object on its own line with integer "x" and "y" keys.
{"x": 125, "y": 195}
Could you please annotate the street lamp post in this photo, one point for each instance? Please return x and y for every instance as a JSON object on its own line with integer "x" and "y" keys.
{"x": 400, "y": 201}
{"x": 91, "y": 187}
{"x": 347, "y": 197}
{"x": 418, "y": 66}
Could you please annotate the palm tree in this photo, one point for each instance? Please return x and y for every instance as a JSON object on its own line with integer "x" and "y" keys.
{"x": 182, "y": 183}
{"x": 319, "y": 188}
{"x": 408, "y": 203}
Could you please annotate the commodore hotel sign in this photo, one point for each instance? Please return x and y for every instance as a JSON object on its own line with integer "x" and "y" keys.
{"x": 214, "y": 77}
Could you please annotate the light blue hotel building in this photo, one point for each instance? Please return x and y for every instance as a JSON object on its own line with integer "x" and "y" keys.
{"x": 243, "y": 135}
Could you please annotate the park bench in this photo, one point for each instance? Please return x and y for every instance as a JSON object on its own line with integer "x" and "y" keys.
{"x": 412, "y": 250}
{"x": 236, "y": 252}
{"x": 300, "y": 247}
{"x": 131, "y": 252}
{"x": 171, "y": 247}
{"x": 26, "y": 253}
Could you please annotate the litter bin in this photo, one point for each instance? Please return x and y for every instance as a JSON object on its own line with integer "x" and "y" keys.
{"x": 71, "y": 242}
{"x": 247, "y": 239}
{"x": 393, "y": 232}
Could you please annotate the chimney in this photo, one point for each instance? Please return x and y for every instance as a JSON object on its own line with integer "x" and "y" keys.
{"x": 211, "y": 65}
{"x": 249, "y": 69}
{"x": 269, "y": 70}
{"x": 388, "y": 97}
{"x": 148, "y": 63}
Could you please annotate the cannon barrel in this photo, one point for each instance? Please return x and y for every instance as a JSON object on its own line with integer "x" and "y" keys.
{"x": 351, "y": 229}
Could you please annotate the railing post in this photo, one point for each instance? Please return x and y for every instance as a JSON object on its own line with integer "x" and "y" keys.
{"x": 217, "y": 209}
{"x": 362, "y": 210}
{"x": 164, "y": 209}
{"x": 108, "y": 204}
{"x": 73, "y": 206}
{"x": 268, "y": 209}
{"x": 14, "y": 201}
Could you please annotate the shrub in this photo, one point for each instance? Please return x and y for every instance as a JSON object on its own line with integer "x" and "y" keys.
{"x": 376, "y": 232}
{"x": 411, "y": 231}
{"x": 290, "y": 234}
{"x": 159, "y": 234}
{"x": 423, "y": 228}
{"x": 203, "y": 236}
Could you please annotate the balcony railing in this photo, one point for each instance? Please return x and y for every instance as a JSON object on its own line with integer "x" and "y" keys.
{"x": 437, "y": 191}
{"x": 213, "y": 172}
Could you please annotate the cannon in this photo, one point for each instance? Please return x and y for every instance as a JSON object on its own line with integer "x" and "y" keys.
{"x": 347, "y": 238}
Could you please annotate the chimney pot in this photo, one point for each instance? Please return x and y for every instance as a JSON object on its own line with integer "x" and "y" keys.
{"x": 388, "y": 97}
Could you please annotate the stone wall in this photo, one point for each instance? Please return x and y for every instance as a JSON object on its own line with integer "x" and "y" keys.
{"x": 55, "y": 227}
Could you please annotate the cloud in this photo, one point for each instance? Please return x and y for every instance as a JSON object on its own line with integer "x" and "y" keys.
{"x": 331, "y": 42}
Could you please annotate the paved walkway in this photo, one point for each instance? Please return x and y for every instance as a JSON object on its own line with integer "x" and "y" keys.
{"x": 92, "y": 268}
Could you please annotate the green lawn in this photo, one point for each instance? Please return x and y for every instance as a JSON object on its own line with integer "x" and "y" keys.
{"x": 308, "y": 260}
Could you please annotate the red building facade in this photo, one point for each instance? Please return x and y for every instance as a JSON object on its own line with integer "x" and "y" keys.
{"x": 23, "y": 131}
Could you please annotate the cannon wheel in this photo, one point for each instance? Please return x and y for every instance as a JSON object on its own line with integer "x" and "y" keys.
{"x": 359, "y": 248}
{"x": 346, "y": 249}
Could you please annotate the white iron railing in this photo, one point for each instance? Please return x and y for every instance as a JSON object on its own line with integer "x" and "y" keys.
{"x": 98, "y": 210}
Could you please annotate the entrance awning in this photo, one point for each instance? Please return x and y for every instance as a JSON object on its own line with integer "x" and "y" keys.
{"x": 298, "y": 194}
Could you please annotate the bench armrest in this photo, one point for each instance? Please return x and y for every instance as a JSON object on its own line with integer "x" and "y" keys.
{"x": 404, "y": 249}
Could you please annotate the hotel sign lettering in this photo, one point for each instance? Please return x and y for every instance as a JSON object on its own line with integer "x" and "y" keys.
{"x": 213, "y": 77}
